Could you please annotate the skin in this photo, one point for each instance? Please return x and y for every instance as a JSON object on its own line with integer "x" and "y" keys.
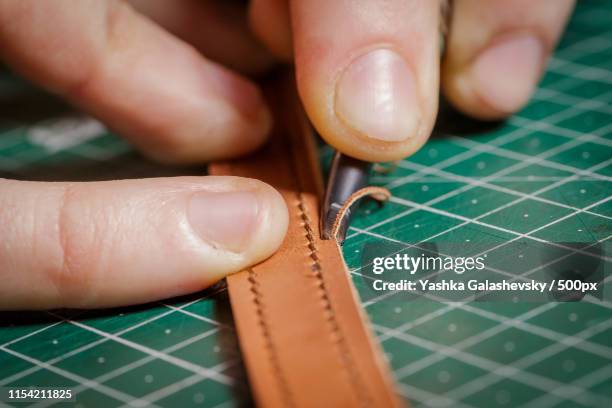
{"x": 131, "y": 241}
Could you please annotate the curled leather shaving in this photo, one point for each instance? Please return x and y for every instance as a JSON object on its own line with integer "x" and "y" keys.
{"x": 377, "y": 193}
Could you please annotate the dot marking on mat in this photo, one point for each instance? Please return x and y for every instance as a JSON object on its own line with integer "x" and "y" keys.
{"x": 148, "y": 378}
{"x": 101, "y": 360}
{"x": 502, "y": 397}
{"x": 452, "y": 327}
{"x": 572, "y": 317}
{"x": 198, "y": 398}
{"x": 444, "y": 377}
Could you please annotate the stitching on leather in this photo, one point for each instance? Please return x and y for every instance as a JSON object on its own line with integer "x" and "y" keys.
{"x": 269, "y": 344}
{"x": 336, "y": 332}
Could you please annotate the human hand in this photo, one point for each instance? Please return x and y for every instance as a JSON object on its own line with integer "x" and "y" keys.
{"x": 368, "y": 74}
{"x": 369, "y": 71}
{"x": 113, "y": 243}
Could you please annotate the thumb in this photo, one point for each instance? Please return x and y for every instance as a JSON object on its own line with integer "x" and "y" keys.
{"x": 368, "y": 73}
{"x": 114, "y": 243}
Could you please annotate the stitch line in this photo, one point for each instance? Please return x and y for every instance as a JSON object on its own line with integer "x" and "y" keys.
{"x": 269, "y": 344}
{"x": 328, "y": 309}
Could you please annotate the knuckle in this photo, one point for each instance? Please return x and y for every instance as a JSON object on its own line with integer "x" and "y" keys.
{"x": 92, "y": 71}
{"x": 74, "y": 277}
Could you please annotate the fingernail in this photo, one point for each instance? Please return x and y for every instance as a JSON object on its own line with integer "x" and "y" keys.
{"x": 376, "y": 96}
{"x": 505, "y": 74}
{"x": 225, "y": 220}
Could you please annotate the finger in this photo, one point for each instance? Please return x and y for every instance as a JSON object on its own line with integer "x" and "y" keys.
{"x": 143, "y": 82}
{"x": 368, "y": 73}
{"x": 270, "y": 22}
{"x": 114, "y": 243}
{"x": 497, "y": 50}
{"x": 219, "y": 30}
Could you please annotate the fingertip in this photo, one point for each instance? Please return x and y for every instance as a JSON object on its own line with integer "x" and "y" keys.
{"x": 240, "y": 93}
{"x": 496, "y": 52}
{"x": 242, "y": 219}
{"x": 368, "y": 75}
{"x": 500, "y": 79}
{"x": 220, "y": 132}
{"x": 377, "y": 108}
{"x": 273, "y": 221}
{"x": 209, "y": 113}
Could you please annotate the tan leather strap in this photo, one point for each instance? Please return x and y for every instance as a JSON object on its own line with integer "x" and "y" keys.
{"x": 302, "y": 333}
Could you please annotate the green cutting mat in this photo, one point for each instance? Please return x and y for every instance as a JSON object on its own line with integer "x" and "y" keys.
{"x": 544, "y": 175}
